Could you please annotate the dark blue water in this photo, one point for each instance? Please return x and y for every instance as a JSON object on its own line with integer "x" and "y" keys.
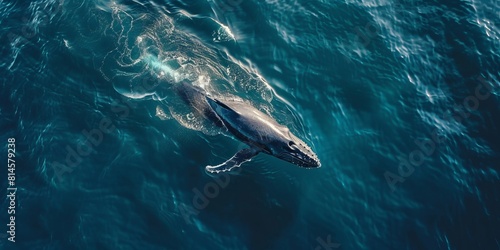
{"x": 399, "y": 99}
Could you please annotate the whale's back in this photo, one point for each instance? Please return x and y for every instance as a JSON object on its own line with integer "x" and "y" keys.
{"x": 194, "y": 96}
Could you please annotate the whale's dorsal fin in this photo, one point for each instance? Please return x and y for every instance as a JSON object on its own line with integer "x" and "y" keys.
{"x": 220, "y": 107}
{"x": 222, "y": 104}
{"x": 239, "y": 158}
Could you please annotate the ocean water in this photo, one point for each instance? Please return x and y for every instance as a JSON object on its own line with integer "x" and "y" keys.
{"x": 399, "y": 99}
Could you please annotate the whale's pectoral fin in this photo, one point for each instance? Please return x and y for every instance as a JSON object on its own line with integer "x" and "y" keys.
{"x": 239, "y": 158}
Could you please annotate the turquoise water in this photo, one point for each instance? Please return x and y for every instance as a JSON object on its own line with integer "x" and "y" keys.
{"x": 399, "y": 99}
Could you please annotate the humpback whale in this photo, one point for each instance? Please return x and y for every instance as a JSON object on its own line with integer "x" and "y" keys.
{"x": 246, "y": 123}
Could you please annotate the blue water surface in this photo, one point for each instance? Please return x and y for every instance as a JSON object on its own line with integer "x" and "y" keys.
{"x": 399, "y": 99}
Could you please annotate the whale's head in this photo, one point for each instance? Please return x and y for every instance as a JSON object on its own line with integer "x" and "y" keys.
{"x": 263, "y": 132}
{"x": 292, "y": 149}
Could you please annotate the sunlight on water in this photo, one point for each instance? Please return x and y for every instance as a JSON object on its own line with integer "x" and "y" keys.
{"x": 399, "y": 99}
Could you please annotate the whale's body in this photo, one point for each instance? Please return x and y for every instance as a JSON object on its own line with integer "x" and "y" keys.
{"x": 246, "y": 123}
